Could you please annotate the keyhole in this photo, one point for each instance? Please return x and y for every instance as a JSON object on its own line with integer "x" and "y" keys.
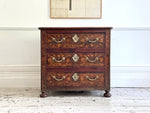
{"x": 70, "y": 4}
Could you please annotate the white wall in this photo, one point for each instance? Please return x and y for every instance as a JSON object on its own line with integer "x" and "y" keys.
{"x": 35, "y": 13}
{"x": 20, "y": 40}
{"x": 20, "y": 47}
{"x": 130, "y": 47}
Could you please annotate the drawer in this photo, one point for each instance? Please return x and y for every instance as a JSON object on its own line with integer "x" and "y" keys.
{"x": 75, "y": 59}
{"x": 85, "y": 40}
{"x": 70, "y": 80}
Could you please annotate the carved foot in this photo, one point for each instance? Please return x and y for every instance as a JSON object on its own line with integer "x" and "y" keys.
{"x": 43, "y": 95}
{"x": 107, "y": 93}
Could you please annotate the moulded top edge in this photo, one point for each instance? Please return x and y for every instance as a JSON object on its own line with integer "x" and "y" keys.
{"x": 74, "y": 28}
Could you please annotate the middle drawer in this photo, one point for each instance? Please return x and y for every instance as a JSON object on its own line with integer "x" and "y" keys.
{"x": 75, "y": 59}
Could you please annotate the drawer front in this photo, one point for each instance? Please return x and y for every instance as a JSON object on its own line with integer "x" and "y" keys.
{"x": 66, "y": 80}
{"x": 75, "y": 59}
{"x": 90, "y": 40}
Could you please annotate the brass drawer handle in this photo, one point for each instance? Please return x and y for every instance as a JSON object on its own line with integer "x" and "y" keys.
{"x": 92, "y": 41}
{"x": 54, "y": 77}
{"x": 91, "y": 60}
{"x": 90, "y": 79}
{"x": 58, "y": 61}
{"x": 58, "y": 41}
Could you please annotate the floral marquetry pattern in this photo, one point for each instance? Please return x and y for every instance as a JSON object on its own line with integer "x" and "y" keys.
{"x": 68, "y": 59}
{"x": 75, "y": 40}
{"x": 94, "y": 80}
{"x": 75, "y": 59}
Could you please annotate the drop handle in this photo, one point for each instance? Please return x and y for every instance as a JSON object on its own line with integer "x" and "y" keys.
{"x": 92, "y": 41}
{"x": 58, "y": 41}
{"x": 91, "y": 79}
{"x": 54, "y": 77}
{"x": 91, "y": 61}
{"x": 58, "y": 61}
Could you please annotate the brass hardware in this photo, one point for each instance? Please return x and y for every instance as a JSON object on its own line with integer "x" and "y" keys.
{"x": 58, "y": 61}
{"x": 75, "y": 38}
{"x": 54, "y": 77}
{"x": 91, "y": 60}
{"x": 75, "y": 76}
{"x": 90, "y": 79}
{"x": 92, "y": 41}
{"x": 54, "y": 39}
{"x": 75, "y": 57}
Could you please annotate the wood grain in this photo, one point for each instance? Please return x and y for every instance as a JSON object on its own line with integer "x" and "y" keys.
{"x": 70, "y": 62}
{"x": 75, "y": 69}
{"x": 64, "y": 65}
{"x": 75, "y": 50}
{"x": 69, "y": 43}
{"x": 69, "y": 83}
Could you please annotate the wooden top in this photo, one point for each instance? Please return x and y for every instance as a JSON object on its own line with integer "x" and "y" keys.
{"x": 62, "y": 28}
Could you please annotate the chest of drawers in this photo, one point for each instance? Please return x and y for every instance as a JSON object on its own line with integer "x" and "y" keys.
{"x": 75, "y": 59}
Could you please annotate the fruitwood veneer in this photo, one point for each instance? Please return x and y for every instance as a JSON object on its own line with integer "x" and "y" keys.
{"x": 75, "y": 59}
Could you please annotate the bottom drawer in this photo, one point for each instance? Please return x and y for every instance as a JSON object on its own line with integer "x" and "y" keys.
{"x": 74, "y": 80}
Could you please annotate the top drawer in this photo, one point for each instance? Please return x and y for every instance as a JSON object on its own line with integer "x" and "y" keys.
{"x": 82, "y": 40}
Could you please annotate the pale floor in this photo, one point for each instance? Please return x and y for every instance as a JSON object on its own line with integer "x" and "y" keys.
{"x": 123, "y": 100}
